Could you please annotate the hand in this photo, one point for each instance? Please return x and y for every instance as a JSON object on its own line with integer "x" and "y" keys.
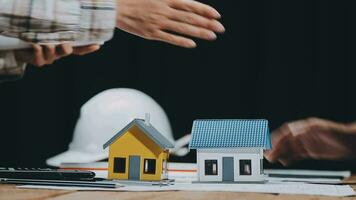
{"x": 312, "y": 138}
{"x": 41, "y": 55}
{"x": 160, "y": 19}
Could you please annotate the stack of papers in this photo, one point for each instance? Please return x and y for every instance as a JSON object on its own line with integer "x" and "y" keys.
{"x": 187, "y": 172}
{"x": 305, "y": 189}
{"x": 307, "y": 182}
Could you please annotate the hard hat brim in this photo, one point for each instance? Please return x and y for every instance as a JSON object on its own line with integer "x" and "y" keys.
{"x": 71, "y": 156}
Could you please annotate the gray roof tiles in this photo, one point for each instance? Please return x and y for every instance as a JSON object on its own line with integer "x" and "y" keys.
{"x": 230, "y": 133}
{"x": 148, "y": 129}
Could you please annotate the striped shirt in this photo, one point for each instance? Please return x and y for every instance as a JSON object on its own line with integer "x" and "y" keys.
{"x": 47, "y": 21}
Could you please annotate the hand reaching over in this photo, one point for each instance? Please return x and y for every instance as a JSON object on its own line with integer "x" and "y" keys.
{"x": 312, "y": 138}
{"x": 169, "y": 20}
{"x": 41, "y": 55}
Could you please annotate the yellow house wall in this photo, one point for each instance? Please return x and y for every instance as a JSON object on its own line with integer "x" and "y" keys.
{"x": 135, "y": 143}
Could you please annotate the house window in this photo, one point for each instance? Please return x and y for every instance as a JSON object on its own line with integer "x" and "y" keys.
{"x": 149, "y": 166}
{"x": 211, "y": 167}
{"x": 119, "y": 165}
{"x": 245, "y": 167}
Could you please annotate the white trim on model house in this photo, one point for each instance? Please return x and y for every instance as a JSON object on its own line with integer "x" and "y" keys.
{"x": 251, "y": 157}
{"x": 164, "y": 174}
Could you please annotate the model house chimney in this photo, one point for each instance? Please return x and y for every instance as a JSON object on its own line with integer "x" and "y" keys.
{"x": 147, "y": 118}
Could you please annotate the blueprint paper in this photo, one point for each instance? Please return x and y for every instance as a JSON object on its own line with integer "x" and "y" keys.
{"x": 187, "y": 173}
{"x": 291, "y": 188}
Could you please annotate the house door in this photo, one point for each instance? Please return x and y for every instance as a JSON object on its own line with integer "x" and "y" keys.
{"x": 228, "y": 169}
{"x": 134, "y": 168}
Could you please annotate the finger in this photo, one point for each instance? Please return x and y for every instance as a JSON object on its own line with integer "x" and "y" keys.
{"x": 279, "y": 150}
{"x": 288, "y": 161}
{"x": 280, "y": 144}
{"x": 190, "y": 30}
{"x": 64, "y": 50}
{"x": 175, "y": 40}
{"x": 295, "y": 154}
{"x": 24, "y": 55}
{"x": 294, "y": 149}
{"x": 38, "y": 57}
{"x": 196, "y": 7}
{"x": 197, "y": 20}
{"x": 277, "y": 137}
{"x": 85, "y": 49}
{"x": 50, "y": 53}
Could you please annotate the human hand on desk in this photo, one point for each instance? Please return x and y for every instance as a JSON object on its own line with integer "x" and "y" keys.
{"x": 312, "y": 138}
{"x": 169, "y": 20}
{"x": 41, "y": 55}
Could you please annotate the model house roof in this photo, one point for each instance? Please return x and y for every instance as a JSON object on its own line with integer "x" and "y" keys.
{"x": 146, "y": 128}
{"x": 230, "y": 133}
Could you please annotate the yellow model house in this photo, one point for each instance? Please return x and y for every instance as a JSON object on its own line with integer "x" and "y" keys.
{"x": 138, "y": 152}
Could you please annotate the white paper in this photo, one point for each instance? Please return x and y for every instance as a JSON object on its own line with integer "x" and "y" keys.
{"x": 73, "y": 188}
{"x": 7, "y": 43}
{"x": 181, "y": 177}
{"x": 331, "y": 181}
{"x": 306, "y": 189}
{"x": 187, "y": 173}
{"x": 291, "y": 188}
{"x": 301, "y": 172}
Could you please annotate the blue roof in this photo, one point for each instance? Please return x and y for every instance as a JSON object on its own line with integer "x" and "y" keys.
{"x": 148, "y": 129}
{"x": 230, "y": 133}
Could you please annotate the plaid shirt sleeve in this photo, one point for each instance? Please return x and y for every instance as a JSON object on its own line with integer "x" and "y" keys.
{"x": 46, "y": 21}
{"x": 58, "y": 20}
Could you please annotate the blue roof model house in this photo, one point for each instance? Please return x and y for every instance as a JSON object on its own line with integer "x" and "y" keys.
{"x": 230, "y": 150}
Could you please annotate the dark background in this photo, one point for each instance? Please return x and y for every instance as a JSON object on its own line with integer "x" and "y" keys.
{"x": 279, "y": 59}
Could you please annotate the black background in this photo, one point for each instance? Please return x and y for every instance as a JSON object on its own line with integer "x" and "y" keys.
{"x": 279, "y": 59}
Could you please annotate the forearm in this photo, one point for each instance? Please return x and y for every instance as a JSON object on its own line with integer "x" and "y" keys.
{"x": 55, "y": 21}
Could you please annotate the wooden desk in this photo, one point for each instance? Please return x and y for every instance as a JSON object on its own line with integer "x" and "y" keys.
{"x": 10, "y": 192}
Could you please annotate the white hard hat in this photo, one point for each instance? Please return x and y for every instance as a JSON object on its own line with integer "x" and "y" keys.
{"x": 103, "y": 116}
